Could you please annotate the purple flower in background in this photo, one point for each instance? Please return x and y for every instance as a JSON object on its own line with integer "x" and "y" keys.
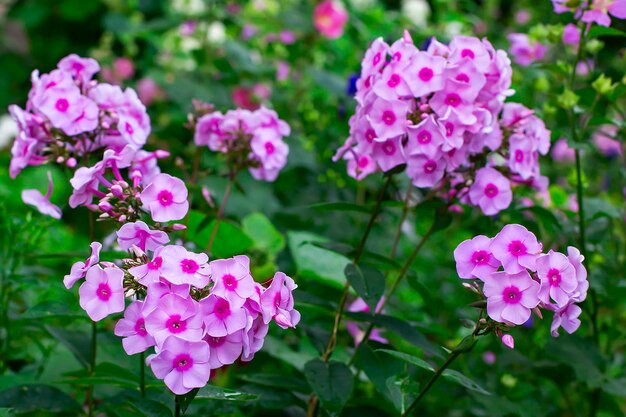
{"x": 524, "y": 50}
{"x": 599, "y": 11}
{"x": 491, "y": 191}
{"x": 102, "y": 292}
{"x": 571, "y": 34}
{"x": 42, "y": 202}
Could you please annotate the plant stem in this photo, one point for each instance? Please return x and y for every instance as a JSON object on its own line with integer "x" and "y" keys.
{"x": 220, "y": 212}
{"x": 92, "y": 366}
{"x": 330, "y": 346}
{"x": 176, "y": 406}
{"x": 142, "y": 374}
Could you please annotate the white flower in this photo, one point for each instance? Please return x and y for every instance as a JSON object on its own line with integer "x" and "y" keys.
{"x": 216, "y": 33}
{"x": 8, "y": 130}
{"x": 417, "y": 11}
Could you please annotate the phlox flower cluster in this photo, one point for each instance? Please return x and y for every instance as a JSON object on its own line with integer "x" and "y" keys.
{"x": 197, "y": 315}
{"x": 441, "y": 112}
{"x": 525, "y": 50}
{"x": 516, "y": 277}
{"x": 251, "y": 140}
{"x": 594, "y": 11}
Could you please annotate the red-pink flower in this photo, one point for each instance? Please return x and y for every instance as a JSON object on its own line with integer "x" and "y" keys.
{"x": 330, "y": 18}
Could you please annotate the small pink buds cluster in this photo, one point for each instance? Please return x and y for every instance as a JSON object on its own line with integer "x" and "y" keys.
{"x": 251, "y": 140}
{"x": 515, "y": 277}
{"x": 198, "y": 315}
{"x": 439, "y": 112}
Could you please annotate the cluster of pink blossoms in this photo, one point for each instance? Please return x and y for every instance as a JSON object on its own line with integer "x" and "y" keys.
{"x": 516, "y": 277}
{"x": 250, "y": 139}
{"x": 594, "y": 11}
{"x": 441, "y": 112}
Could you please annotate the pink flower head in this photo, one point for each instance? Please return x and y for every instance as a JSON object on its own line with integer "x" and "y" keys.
{"x": 558, "y": 278}
{"x": 254, "y": 337}
{"x": 424, "y": 74}
{"x": 140, "y": 235}
{"x": 183, "y": 267}
{"x": 523, "y": 159}
{"x": 360, "y": 165}
{"x": 82, "y": 69}
{"x": 388, "y": 154}
{"x": 277, "y": 302}
{"x": 183, "y": 365}
{"x": 166, "y": 198}
{"x": 524, "y": 50}
{"x": 149, "y": 91}
{"x": 426, "y": 171}
{"x": 392, "y": 84}
{"x": 508, "y": 341}
{"x": 599, "y": 11}
{"x": 220, "y": 318}
{"x": 102, "y": 293}
{"x": 150, "y": 272}
{"x": 469, "y": 48}
{"x": 576, "y": 259}
{"x": 232, "y": 280}
{"x": 132, "y": 327}
{"x": 516, "y": 248}
{"x": 510, "y": 297}
{"x": 357, "y": 334}
{"x": 474, "y": 259}
{"x": 175, "y": 315}
{"x": 567, "y": 318}
{"x": 491, "y": 191}
{"x": 42, "y": 202}
{"x": 426, "y": 138}
{"x": 157, "y": 290}
{"x": 374, "y": 60}
{"x": 330, "y": 18}
{"x": 226, "y": 349}
{"x": 80, "y": 268}
{"x": 571, "y": 35}
{"x": 561, "y": 152}
{"x": 388, "y": 118}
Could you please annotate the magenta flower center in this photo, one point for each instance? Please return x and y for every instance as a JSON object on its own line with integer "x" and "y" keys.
{"x": 230, "y": 282}
{"x": 519, "y": 155}
{"x": 394, "y": 80}
{"x": 376, "y": 58}
{"x": 491, "y": 190}
{"x": 517, "y": 248}
{"x": 481, "y": 257}
{"x": 155, "y": 263}
{"x": 165, "y": 198}
{"x": 425, "y": 74}
{"x": 430, "y": 167}
{"x": 175, "y": 325}
{"x": 215, "y": 341}
{"x": 104, "y": 291}
{"x": 363, "y": 162}
{"x": 140, "y": 327}
{"x": 182, "y": 362}
{"x": 77, "y": 66}
{"x": 222, "y": 309}
{"x": 189, "y": 266}
{"x": 449, "y": 129}
{"x": 389, "y": 148}
{"x": 389, "y": 117}
{"x": 453, "y": 99}
{"x": 370, "y": 135}
{"x": 467, "y": 53}
{"x": 277, "y": 299}
{"x": 397, "y": 56}
{"x": 62, "y": 105}
{"x": 269, "y": 148}
{"x": 554, "y": 277}
{"x": 424, "y": 137}
{"x": 129, "y": 128}
{"x": 462, "y": 78}
{"x": 511, "y": 295}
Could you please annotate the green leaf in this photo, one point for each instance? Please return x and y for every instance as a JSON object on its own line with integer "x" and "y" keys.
{"x": 52, "y": 309}
{"x": 369, "y": 283}
{"x": 263, "y": 233}
{"x": 34, "y": 398}
{"x": 212, "y": 392}
{"x": 403, "y": 390}
{"x": 413, "y": 360}
{"x": 230, "y": 239}
{"x": 340, "y": 206}
{"x": 461, "y": 379}
{"x": 332, "y": 382}
{"x": 106, "y": 373}
{"x": 6, "y": 412}
{"x": 597, "y": 31}
{"x": 185, "y": 400}
{"x": 79, "y": 343}
{"x": 314, "y": 262}
{"x": 379, "y": 368}
{"x": 277, "y": 381}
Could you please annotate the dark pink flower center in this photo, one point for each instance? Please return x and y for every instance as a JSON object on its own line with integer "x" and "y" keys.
{"x": 425, "y": 74}
{"x": 376, "y": 58}
{"x": 467, "y": 53}
{"x": 389, "y": 148}
{"x": 397, "y": 56}
{"x": 511, "y": 295}
{"x": 189, "y": 266}
{"x": 269, "y": 148}
{"x": 370, "y": 135}
{"x": 155, "y": 263}
{"x": 222, "y": 309}
{"x": 215, "y": 341}
{"x": 230, "y": 282}
{"x": 104, "y": 291}
{"x": 277, "y": 299}
{"x": 77, "y": 66}
{"x": 389, "y": 117}
{"x": 182, "y": 362}
{"x": 491, "y": 190}
{"x": 394, "y": 80}
{"x": 424, "y": 137}
{"x": 430, "y": 167}
{"x": 62, "y": 105}
{"x": 140, "y": 327}
{"x": 519, "y": 155}
{"x": 363, "y": 162}
{"x": 481, "y": 257}
{"x": 165, "y": 198}
{"x": 449, "y": 129}
{"x": 517, "y": 248}
{"x": 554, "y": 277}
{"x": 175, "y": 325}
{"x": 453, "y": 99}
{"x": 462, "y": 78}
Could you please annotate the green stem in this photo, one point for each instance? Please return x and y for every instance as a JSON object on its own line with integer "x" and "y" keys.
{"x": 176, "y": 406}
{"x": 220, "y": 212}
{"x": 92, "y": 367}
{"x": 142, "y": 374}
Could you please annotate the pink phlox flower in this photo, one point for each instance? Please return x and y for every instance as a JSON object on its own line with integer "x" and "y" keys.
{"x": 599, "y": 11}
{"x": 166, "y": 198}
{"x": 220, "y": 318}
{"x": 571, "y": 34}
{"x": 132, "y": 327}
{"x": 42, "y": 202}
{"x": 157, "y": 290}
{"x": 426, "y": 170}
{"x": 181, "y": 266}
{"x": 567, "y": 318}
{"x": 232, "y": 280}
{"x": 510, "y": 297}
{"x": 524, "y": 50}
{"x": 517, "y": 248}
{"x": 330, "y": 18}
{"x": 576, "y": 259}
{"x": 357, "y": 334}
{"x": 226, "y": 349}
{"x": 102, "y": 293}
{"x": 277, "y": 302}
{"x": 491, "y": 191}
{"x": 474, "y": 258}
{"x": 558, "y": 278}
{"x": 388, "y": 118}
{"x": 425, "y": 138}
{"x": 82, "y": 69}
{"x": 138, "y": 233}
{"x": 254, "y": 337}
{"x": 388, "y": 154}
{"x": 149, "y": 272}
{"x": 175, "y": 315}
{"x": 79, "y": 269}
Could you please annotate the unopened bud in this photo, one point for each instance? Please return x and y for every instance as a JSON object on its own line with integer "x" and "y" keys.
{"x": 60, "y": 160}
{"x": 508, "y": 341}
{"x": 117, "y": 191}
{"x": 178, "y": 226}
{"x": 407, "y": 36}
{"x": 160, "y": 154}
{"x": 122, "y": 218}
{"x": 71, "y": 162}
{"x": 137, "y": 251}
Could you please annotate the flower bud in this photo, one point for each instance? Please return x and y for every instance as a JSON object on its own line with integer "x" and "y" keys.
{"x": 568, "y": 99}
{"x": 178, "y": 226}
{"x": 508, "y": 341}
{"x": 603, "y": 85}
{"x": 60, "y": 160}
{"x": 117, "y": 191}
{"x": 71, "y": 162}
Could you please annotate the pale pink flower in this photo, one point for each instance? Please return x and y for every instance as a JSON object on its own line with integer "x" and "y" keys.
{"x": 510, "y": 297}
{"x": 232, "y": 280}
{"x": 166, "y": 198}
{"x": 516, "y": 248}
{"x": 175, "y": 315}
{"x": 474, "y": 258}
{"x": 132, "y": 327}
{"x": 226, "y": 349}
{"x": 558, "y": 278}
{"x": 80, "y": 268}
{"x": 491, "y": 191}
{"x": 42, "y": 202}
{"x": 139, "y": 234}
{"x": 102, "y": 293}
{"x": 220, "y": 318}
{"x": 181, "y": 266}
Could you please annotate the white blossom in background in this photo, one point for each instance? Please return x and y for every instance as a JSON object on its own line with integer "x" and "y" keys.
{"x": 8, "y": 130}
{"x": 416, "y": 11}
{"x": 216, "y": 33}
